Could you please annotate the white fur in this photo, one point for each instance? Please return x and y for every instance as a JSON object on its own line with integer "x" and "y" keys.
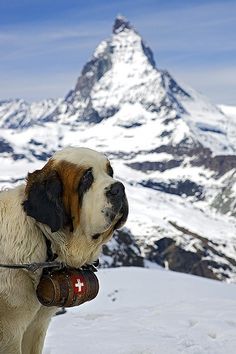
{"x": 23, "y": 320}
{"x": 21, "y": 242}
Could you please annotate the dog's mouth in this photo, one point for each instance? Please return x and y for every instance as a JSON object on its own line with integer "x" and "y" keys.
{"x": 118, "y": 214}
{"x": 116, "y": 217}
{"x": 123, "y": 215}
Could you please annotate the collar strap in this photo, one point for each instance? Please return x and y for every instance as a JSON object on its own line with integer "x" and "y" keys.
{"x": 33, "y": 267}
{"x": 50, "y": 255}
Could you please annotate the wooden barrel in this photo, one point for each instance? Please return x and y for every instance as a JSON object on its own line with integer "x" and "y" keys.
{"x": 67, "y": 287}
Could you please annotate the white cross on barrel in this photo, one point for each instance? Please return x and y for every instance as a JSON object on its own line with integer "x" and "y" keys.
{"x": 79, "y": 285}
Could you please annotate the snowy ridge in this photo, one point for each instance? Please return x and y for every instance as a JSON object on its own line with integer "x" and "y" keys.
{"x": 18, "y": 114}
{"x": 172, "y": 148}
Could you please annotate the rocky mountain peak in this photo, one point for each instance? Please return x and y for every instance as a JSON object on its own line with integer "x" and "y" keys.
{"x": 126, "y": 39}
{"x": 121, "y": 73}
{"x": 120, "y": 24}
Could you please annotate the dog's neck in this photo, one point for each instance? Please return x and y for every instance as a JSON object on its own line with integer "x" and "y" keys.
{"x": 72, "y": 250}
{"x": 50, "y": 239}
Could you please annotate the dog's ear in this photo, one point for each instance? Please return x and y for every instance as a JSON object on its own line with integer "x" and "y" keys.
{"x": 44, "y": 199}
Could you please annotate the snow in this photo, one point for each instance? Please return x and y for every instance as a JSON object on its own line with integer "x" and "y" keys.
{"x": 149, "y": 311}
{"x": 100, "y": 49}
{"x": 160, "y": 209}
{"x": 203, "y": 114}
{"x": 230, "y": 111}
{"x": 19, "y": 113}
{"x": 151, "y": 211}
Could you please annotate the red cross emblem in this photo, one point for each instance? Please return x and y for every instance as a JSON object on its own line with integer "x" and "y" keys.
{"x": 79, "y": 285}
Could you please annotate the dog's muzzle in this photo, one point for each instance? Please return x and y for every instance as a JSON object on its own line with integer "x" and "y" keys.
{"x": 119, "y": 205}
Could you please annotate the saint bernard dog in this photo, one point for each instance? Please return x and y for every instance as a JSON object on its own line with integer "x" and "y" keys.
{"x": 74, "y": 202}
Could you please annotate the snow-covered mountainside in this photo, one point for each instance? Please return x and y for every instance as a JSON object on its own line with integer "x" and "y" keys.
{"x": 18, "y": 113}
{"x": 149, "y": 311}
{"x": 174, "y": 150}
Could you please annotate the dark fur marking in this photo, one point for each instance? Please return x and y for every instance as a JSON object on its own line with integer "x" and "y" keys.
{"x": 96, "y": 236}
{"x": 85, "y": 183}
{"x": 110, "y": 171}
{"x": 44, "y": 202}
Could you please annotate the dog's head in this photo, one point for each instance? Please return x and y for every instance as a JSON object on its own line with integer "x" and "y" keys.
{"x": 75, "y": 194}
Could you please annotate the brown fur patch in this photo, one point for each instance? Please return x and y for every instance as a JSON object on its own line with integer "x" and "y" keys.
{"x": 70, "y": 175}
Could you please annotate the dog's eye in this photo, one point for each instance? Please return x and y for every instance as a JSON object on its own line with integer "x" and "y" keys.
{"x": 85, "y": 183}
{"x": 87, "y": 178}
{"x": 110, "y": 170}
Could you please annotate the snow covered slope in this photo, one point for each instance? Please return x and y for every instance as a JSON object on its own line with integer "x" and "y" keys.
{"x": 149, "y": 311}
{"x": 17, "y": 114}
{"x": 230, "y": 111}
{"x": 173, "y": 149}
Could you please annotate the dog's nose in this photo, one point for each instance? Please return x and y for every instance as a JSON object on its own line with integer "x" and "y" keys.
{"x": 116, "y": 190}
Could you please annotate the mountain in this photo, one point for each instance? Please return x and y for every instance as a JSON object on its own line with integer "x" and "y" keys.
{"x": 18, "y": 113}
{"x": 174, "y": 150}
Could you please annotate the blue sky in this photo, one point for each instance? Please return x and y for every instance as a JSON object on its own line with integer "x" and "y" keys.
{"x": 45, "y": 43}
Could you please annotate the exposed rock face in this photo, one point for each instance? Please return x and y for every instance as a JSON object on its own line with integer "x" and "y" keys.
{"x": 122, "y": 251}
{"x": 200, "y": 157}
{"x": 183, "y": 261}
{"x": 5, "y": 146}
{"x": 199, "y": 261}
{"x": 225, "y": 200}
{"x": 181, "y": 188}
{"x": 121, "y": 24}
{"x": 154, "y": 166}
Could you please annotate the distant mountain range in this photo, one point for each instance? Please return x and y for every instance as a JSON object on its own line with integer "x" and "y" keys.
{"x": 174, "y": 150}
